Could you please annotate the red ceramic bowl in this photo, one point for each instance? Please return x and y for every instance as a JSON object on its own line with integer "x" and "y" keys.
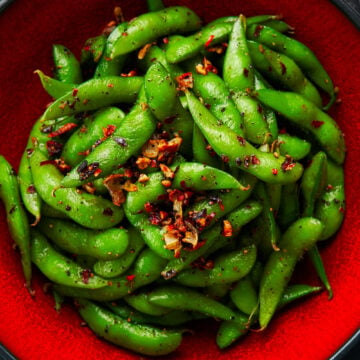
{"x": 30, "y": 328}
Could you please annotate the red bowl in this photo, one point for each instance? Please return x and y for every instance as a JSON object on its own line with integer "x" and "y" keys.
{"x": 30, "y": 327}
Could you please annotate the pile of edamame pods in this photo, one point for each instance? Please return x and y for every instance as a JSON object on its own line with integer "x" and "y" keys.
{"x": 181, "y": 172}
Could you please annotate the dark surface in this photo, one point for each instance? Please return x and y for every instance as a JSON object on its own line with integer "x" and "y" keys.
{"x": 351, "y": 8}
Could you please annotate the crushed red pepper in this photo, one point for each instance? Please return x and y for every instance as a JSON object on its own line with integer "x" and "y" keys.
{"x": 62, "y": 130}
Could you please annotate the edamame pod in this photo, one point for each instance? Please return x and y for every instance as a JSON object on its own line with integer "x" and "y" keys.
{"x": 142, "y": 339}
{"x": 106, "y": 245}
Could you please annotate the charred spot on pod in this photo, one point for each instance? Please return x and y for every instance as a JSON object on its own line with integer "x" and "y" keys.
{"x": 120, "y": 141}
{"x": 85, "y": 170}
{"x": 108, "y": 212}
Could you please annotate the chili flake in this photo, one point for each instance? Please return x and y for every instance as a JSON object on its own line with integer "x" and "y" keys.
{"x": 62, "y": 130}
{"x": 317, "y": 123}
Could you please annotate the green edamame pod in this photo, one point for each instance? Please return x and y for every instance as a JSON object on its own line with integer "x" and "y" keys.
{"x": 182, "y": 298}
{"x": 296, "y": 50}
{"x": 91, "y": 53}
{"x": 296, "y": 292}
{"x": 244, "y": 295}
{"x": 94, "y": 94}
{"x": 181, "y": 48}
{"x": 108, "y": 66}
{"x": 148, "y": 27}
{"x": 230, "y": 331}
{"x": 237, "y": 70}
{"x": 300, "y": 236}
{"x": 309, "y": 117}
{"x": 160, "y": 91}
{"x": 212, "y": 89}
{"x": 217, "y": 291}
{"x": 172, "y": 318}
{"x": 200, "y": 152}
{"x": 39, "y": 136}
{"x": 270, "y": 116}
{"x": 289, "y": 209}
{"x": 140, "y": 302}
{"x": 15, "y": 215}
{"x": 294, "y": 146}
{"x": 91, "y": 133}
{"x": 330, "y": 207}
{"x": 55, "y": 88}
{"x": 113, "y": 268}
{"x": 266, "y": 218}
{"x": 313, "y": 182}
{"x": 142, "y": 339}
{"x": 61, "y": 269}
{"x": 67, "y": 67}
{"x": 228, "y": 268}
{"x": 106, "y": 245}
{"x": 239, "y": 76}
{"x": 239, "y": 152}
{"x": 146, "y": 270}
{"x": 28, "y": 194}
{"x": 87, "y": 210}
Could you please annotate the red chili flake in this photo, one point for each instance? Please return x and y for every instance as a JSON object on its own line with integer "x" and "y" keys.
{"x": 260, "y": 109}
{"x": 109, "y": 130}
{"x": 317, "y": 123}
{"x": 143, "y": 51}
{"x": 283, "y": 131}
{"x": 74, "y": 92}
{"x": 86, "y": 275}
{"x": 149, "y": 207}
{"x": 166, "y": 183}
{"x": 258, "y": 30}
{"x": 185, "y": 81}
{"x": 110, "y": 85}
{"x": 209, "y": 40}
{"x": 85, "y": 101}
{"x": 54, "y": 148}
{"x": 329, "y": 187}
{"x": 165, "y": 40}
{"x": 87, "y": 48}
{"x": 224, "y": 158}
{"x": 255, "y": 160}
{"x": 154, "y": 218}
{"x": 97, "y": 172}
{"x": 246, "y": 72}
{"x": 241, "y": 140}
{"x": 341, "y": 209}
{"x": 130, "y": 277}
{"x": 288, "y": 163}
{"x": 124, "y": 33}
{"x": 31, "y": 189}
{"x": 129, "y": 74}
{"x": 283, "y": 68}
{"x": 227, "y": 230}
{"x": 62, "y": 130}
{"x": 274, "y": 171}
